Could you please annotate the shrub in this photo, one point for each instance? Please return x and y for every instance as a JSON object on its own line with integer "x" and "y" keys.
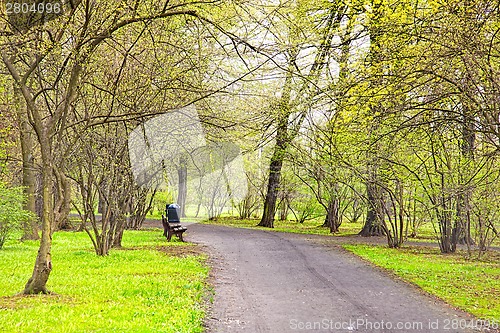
{"x": 160, "y": 201}
{"x": 11, "y": 212}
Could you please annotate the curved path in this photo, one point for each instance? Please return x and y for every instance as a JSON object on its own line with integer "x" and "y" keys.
{"x": 277, "y": 282}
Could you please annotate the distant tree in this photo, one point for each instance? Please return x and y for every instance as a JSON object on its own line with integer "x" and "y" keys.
{"x": 300, "y": 85}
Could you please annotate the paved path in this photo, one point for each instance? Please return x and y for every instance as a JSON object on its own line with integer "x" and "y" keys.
{"x": 277, "y": 282}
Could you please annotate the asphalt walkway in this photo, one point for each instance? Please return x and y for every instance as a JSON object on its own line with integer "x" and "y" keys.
{"x": 278, "y": 282}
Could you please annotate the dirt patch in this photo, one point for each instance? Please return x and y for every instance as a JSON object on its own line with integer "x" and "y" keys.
{"x": 183, "y": 250}
{"x": 22, "y": 301}
{"x": 9, "y": 302}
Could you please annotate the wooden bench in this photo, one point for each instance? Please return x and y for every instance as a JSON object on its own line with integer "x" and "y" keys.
{"x": 170, "y": 229}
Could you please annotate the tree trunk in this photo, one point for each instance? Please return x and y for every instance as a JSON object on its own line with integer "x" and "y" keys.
{"x": 375, "y": 212}
{"x": 444, "y": 215}
{"x": 446, "y": 238}
{"x": 62, "y": 202}
{"x": 119, "y": 229}
{"x": 43, "y": 264}
{"x": 101, "y": 203}
{"x": 182, "y": 189}
{"x": 272, "y": 192}
{"x": 374, "y": 217}
{"x": 282, "y": 141}
{"x": 284, "y": 135}
{"x": 39, "y": 195}
{"x": 461, "y": 230}
{"x": 284, "y": 208}
{"x": 30, "y": 228}
{"x": 332, "y": 219}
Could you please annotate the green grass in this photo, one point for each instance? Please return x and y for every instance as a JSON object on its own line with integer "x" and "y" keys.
{"x": 426, "y": 232}
{"x": 472, "y": 286}
{"x": 312, "y": 227}
{"x": 136, "y": 289}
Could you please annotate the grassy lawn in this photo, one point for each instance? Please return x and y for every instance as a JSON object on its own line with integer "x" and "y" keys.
{"x": 136, "y": 289}
{"x": 311, "y": 227}
{"x": 472, "y": 286}
{"x": 308, "y": 227}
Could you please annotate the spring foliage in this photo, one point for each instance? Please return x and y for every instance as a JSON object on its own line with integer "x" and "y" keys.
{"x": 11, "y": 212}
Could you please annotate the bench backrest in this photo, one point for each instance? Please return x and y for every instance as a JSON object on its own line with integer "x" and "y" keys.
{"x": 167, "y": 225}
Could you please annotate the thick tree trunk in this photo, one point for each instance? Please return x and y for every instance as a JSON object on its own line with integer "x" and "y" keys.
{"x": 444, "y": 216}
{"x": 446, "y": 238}
{"x": 374, "y": 216}
{"x": 282, "y": 142}
{"x": 332, "y": 219}
{"x": 461, "y": 230}
{"x": 375, "y": 212}
{"x": 272, "y": 192}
